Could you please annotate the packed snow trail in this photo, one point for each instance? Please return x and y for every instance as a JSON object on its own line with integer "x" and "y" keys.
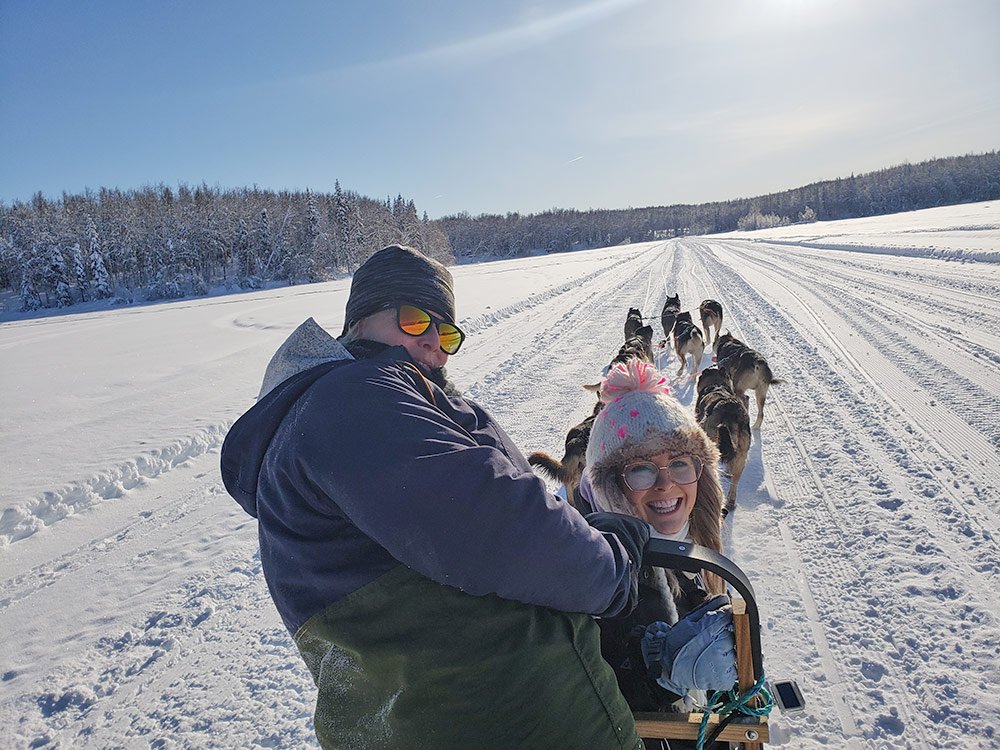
{"x": 133, "y": 608}
{"x": 874, "y": 503}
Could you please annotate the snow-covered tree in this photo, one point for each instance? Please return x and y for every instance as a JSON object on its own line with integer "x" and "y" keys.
{"x": 80, "y": 271}
{"x": 257, "y": 255}
{"x": 340, "y": 227}
{"x": 30, "y": 299}
{"x": 315, "y": 241}
{"x": 57, "y": 277}
{"x": 308, "y": 256}
{"x": 757, "y": 220}
{"x": 103, "y": 288}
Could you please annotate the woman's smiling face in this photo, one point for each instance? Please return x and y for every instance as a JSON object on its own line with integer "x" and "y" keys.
{"x": 666, "y": 506}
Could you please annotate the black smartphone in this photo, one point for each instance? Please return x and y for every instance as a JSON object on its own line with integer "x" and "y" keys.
{"x": 787, "y": 695}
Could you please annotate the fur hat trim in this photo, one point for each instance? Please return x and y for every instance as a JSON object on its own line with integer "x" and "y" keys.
{"x": 605, "y": 474}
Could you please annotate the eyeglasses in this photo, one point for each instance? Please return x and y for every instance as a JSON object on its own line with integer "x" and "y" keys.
{"x": 415, "y": 321}
{"x": 642, "y": 475}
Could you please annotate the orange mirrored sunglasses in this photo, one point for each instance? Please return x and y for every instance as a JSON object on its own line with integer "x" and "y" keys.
{"x": 415, "y": 321}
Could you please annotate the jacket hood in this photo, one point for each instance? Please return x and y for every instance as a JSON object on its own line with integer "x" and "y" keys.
{"x": 307, "y": 346}
{"x": 307, "y": 354}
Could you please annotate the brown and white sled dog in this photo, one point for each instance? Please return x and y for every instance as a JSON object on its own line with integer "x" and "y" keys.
{"x": 748, "y": 370}
{"x": 569, "y": 471}
{"x": 688, "y": 340}
{"x": 724, "y": 418}
{"x": 670, "y": 309}
{"x": 711, "y": 317}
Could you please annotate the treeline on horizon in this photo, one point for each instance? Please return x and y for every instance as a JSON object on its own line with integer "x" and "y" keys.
{"x": 166, "y": 243}
{"x": 937, "y": 182}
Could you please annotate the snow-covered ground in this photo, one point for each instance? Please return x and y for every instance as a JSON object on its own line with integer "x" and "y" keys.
{"x": 965, "y": 232}
{"x": 133, "y": 612}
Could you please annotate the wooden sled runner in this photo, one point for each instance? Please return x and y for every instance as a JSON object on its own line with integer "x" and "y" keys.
{"x": 740, "y": 731}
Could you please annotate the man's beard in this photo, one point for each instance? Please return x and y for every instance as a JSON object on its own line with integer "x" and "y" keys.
{"x": 439, "y": 377}
{"x": 364, "y": 348}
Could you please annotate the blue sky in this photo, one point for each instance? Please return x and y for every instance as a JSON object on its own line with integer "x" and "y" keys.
{"x": 491, "y": 106}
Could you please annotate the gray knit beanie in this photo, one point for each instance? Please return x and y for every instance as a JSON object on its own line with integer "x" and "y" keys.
{"x": 398, "y": 274}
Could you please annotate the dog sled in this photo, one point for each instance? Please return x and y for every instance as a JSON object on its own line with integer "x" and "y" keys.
{"x": 740, "y": 717}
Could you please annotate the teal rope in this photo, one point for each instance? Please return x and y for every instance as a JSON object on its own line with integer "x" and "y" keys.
{"x": 735, "y": 702}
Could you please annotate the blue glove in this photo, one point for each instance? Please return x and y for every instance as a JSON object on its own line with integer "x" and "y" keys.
{"x": 698, "y": 653}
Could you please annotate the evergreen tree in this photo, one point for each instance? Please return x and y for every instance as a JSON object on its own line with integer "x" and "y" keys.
{"x": 80, "y": 272}
{"x": 259, "y": 258}
{"x": 103, "y": 288}
{"x": 314, "y": 242}
{"x": 342, "y": 219}
{"x": 30, "y": 299}
{"x": 57, "y": 277}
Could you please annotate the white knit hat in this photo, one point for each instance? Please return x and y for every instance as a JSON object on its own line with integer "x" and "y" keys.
{"x": 640, "y": 419}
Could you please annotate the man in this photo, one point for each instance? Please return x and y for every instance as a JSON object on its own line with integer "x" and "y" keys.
{"x": 441, "y": 597}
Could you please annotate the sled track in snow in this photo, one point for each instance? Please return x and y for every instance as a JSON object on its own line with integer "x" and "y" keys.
{"x": 939, "y": 302}
{"x": 800, "y": 486}
{"x": 50, "y": 507}
{"x": 801, "y": 482}
{"x": 876, "y": 533}
{"x": 482, "y": 323}
{"x": 787, "y": 639}
{"x": 145, "y": 524}
{"x": 976, "y": 456}
{"x": 181, "y": 646}
{"x": 942, "y": 254}
{"x": 534, "y": 424}
{"x": 969, "y": 518}
{"x": 969, "y": 393}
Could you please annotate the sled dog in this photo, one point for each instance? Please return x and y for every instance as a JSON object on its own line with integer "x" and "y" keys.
{"x": 569, "y": 470}
{"x": 632, "y": 322}
{"x": 670, "y": 309}
{"x": 688, "y": 340}
{"x": 723, "y": 416}
{"x": 747, "y": 369}
{"x": 711, "y": 317}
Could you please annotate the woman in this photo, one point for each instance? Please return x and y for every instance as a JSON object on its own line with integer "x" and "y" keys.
{"x": 440, "y": 596}
{"x": 647, "y": 457}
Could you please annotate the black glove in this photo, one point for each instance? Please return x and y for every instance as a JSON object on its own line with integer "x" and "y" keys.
{"x": 633, "y": 534}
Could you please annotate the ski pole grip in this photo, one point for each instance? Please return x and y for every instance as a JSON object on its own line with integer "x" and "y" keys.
{"x": 661, "y": 552}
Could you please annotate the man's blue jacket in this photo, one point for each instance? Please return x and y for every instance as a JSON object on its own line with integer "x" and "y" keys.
{"x": 440, "y": 596}
{"x": 353, "y": 467}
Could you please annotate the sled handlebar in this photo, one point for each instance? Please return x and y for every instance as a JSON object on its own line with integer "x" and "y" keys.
{"x": 663, "y": 553}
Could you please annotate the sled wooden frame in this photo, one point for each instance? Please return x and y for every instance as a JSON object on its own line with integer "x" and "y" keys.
{"x": 748, "y": 732}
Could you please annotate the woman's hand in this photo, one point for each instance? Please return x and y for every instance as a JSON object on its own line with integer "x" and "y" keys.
{"x": 698, "y": 653}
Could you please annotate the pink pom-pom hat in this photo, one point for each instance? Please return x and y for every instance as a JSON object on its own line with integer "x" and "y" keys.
{"x": 640, "y": 419}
